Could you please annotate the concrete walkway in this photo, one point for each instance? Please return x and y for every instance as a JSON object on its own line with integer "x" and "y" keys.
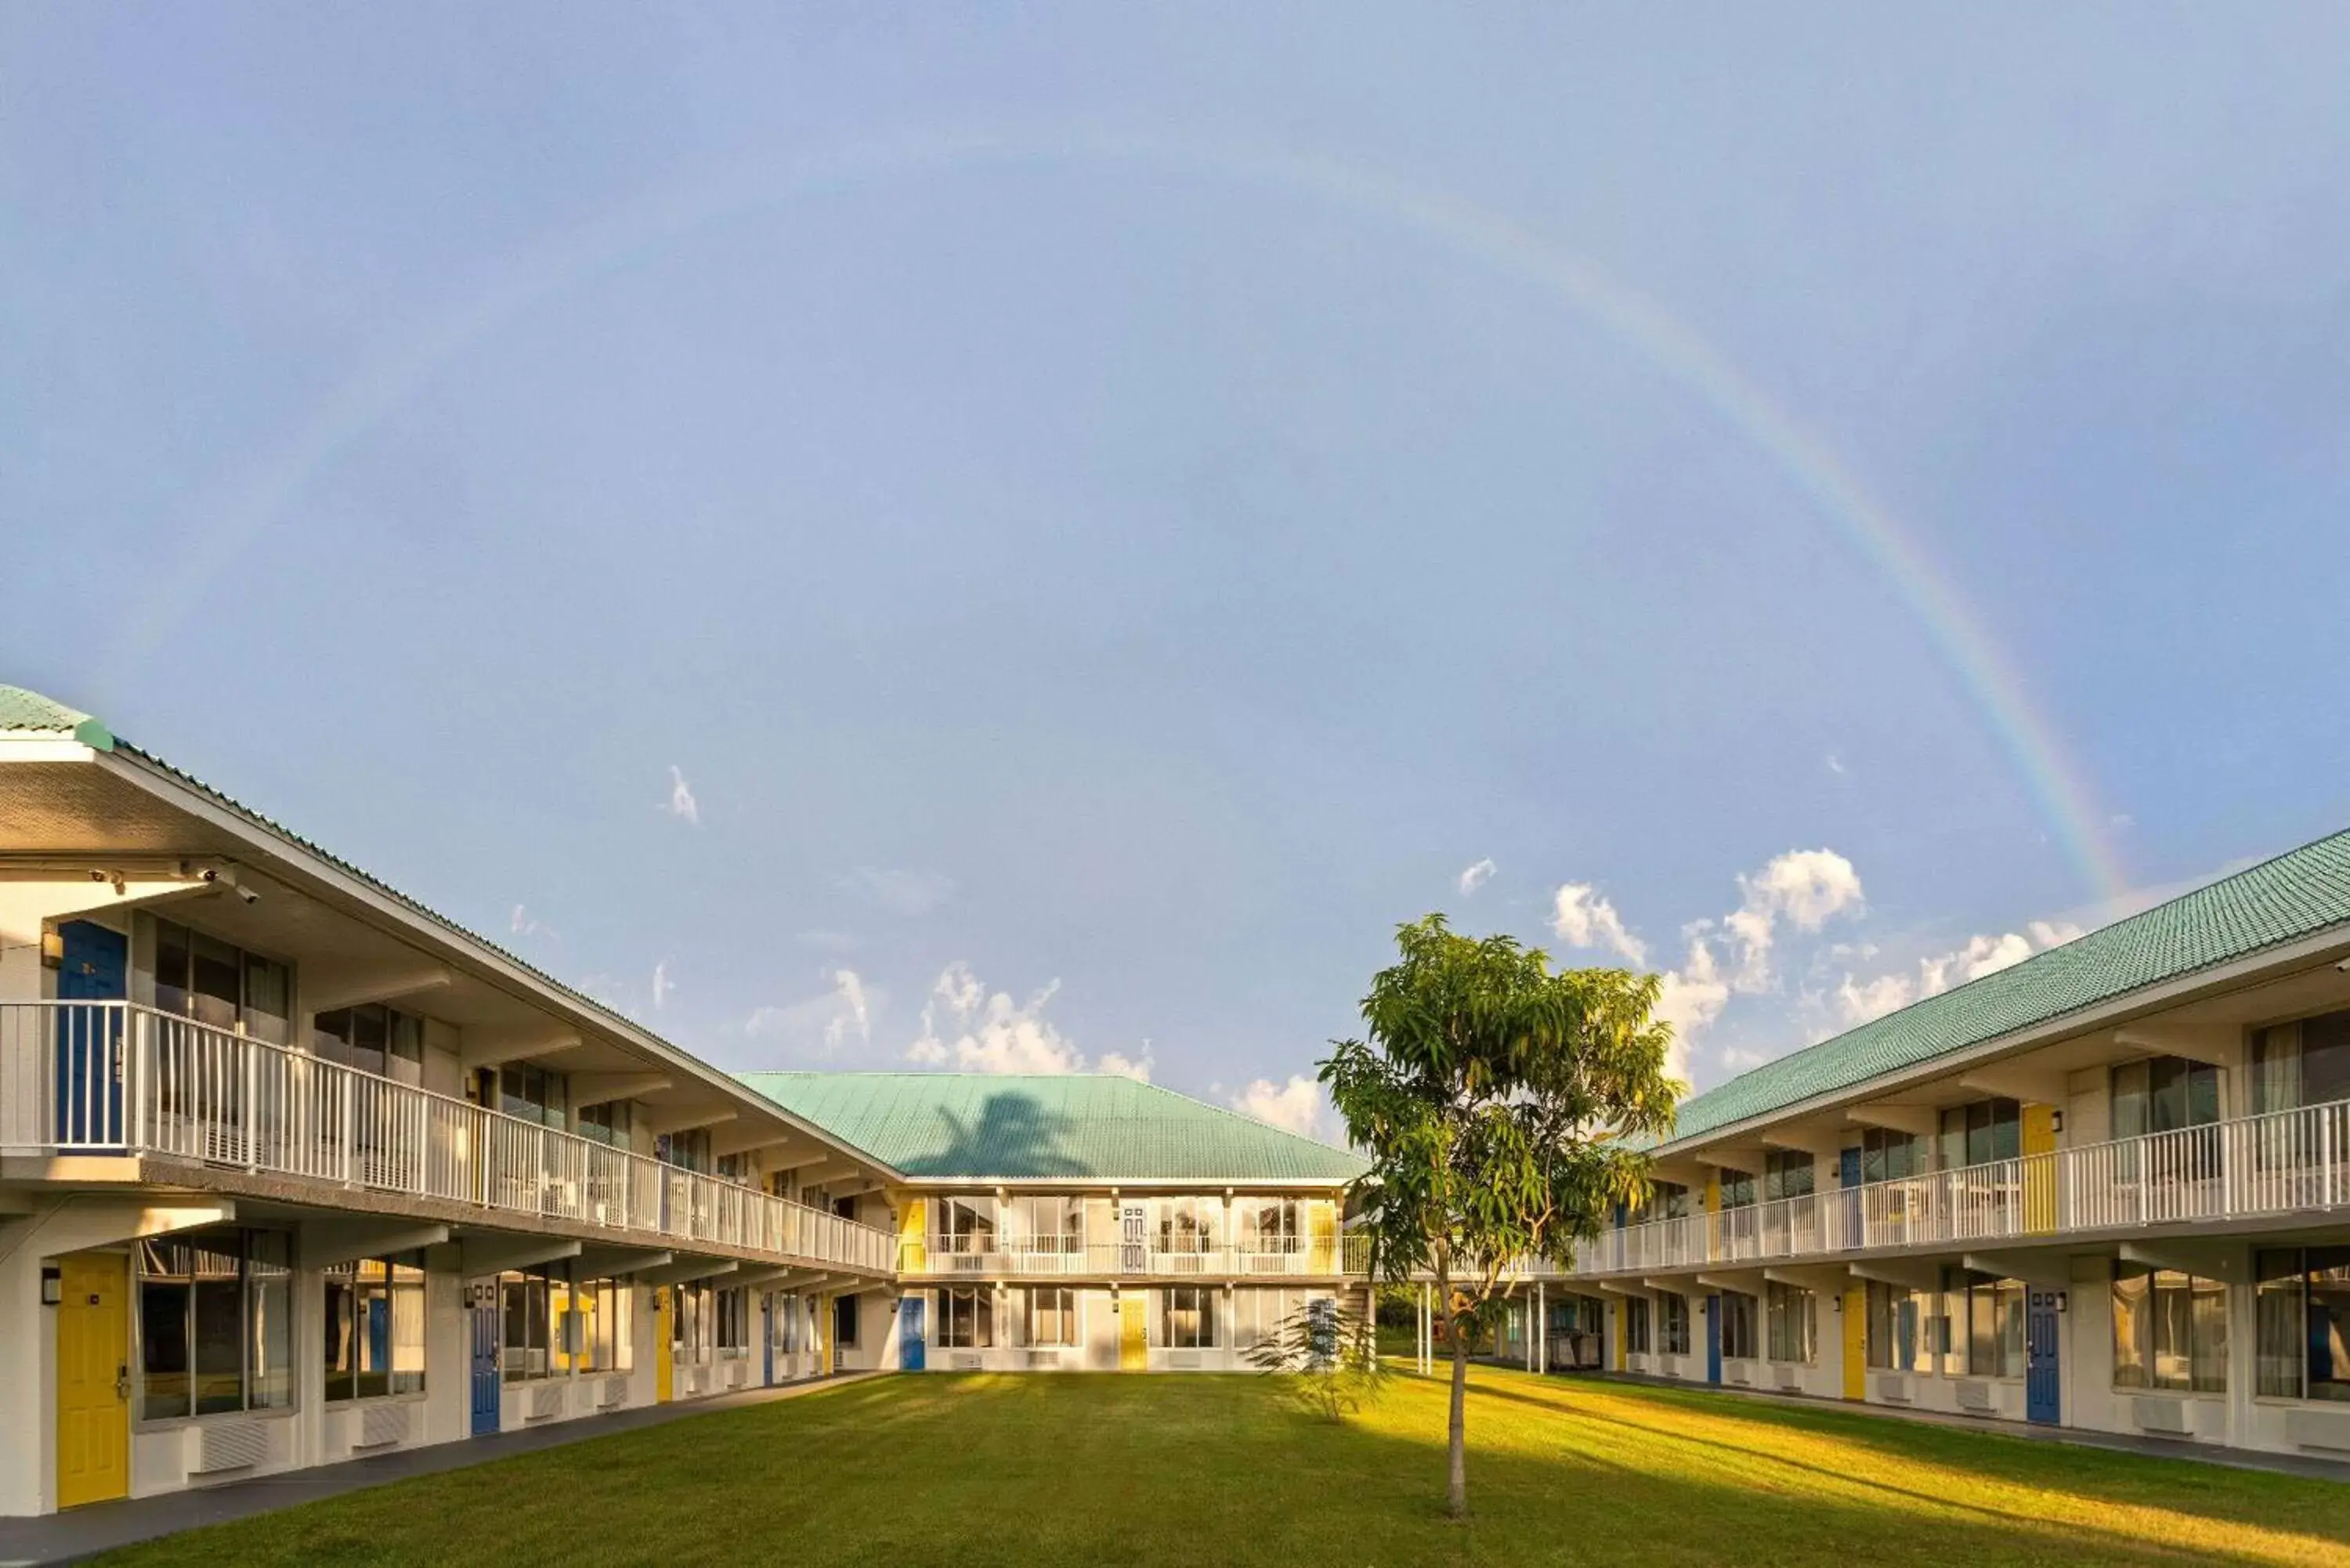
{"x": 2158, "y": 1447}
{"x": 82, "y": 1533}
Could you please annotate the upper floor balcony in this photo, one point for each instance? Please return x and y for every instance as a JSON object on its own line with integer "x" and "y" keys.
{"x": 988, "y": 1256}
{"x": 2282, "y": 1167}
{"x": 90, "y": 1080}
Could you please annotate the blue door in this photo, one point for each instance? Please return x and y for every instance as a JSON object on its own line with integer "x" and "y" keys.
{"x": 2044, "y": 1380}
{"x": 909, "y": 1334}
{"x": 1713, "y": 1339}
{"x": 95, "y": 967}
{"x": 485, "y": 1360}
{"x": 768, "y": 1340}
{"x": 1848, "y": 1177}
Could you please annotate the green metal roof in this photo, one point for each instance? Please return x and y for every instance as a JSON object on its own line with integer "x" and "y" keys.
{"x": 24, "y": 713}
{"x": 2296, "y": 895}
{"x": 983, "y": 1126}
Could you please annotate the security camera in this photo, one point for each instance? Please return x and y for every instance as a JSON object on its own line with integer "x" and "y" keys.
{"x": 248, "y": 894}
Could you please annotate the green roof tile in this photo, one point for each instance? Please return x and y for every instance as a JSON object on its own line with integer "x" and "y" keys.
{"x": 2296, "y": 895}
{"x": 1013, "y": 1127}
{"x": 24, "y": 713}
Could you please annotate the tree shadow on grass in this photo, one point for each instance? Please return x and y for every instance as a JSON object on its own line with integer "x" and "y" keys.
{"x": 2157, "y": 1483}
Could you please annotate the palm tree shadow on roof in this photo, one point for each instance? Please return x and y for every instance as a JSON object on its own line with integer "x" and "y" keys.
{"x": 1014, "y": 1136}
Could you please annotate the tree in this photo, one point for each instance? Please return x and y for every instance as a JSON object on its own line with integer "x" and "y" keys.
{"x": 1499, "y": 1103}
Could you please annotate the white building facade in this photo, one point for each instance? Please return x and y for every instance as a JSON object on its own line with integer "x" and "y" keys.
{"x": 2107, "y": 1189}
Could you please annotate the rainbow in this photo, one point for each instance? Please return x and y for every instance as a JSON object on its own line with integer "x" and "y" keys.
{"x": 625, "y": 234}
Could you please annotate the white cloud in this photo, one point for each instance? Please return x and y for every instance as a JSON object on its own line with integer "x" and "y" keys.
{"x": 662, "y": 984}
{"x": 1691, "y": 998}
{"x": 977, "y": 1031}
{"x": 1297, "y": 1106}
{"x": 1835, "y": 763}
{"x": 1580, "y": 916}
{"x": 681, "y": 804}
{"x": 1860, "y": 1001}
{"x": 1804, "y": 887}
{"x": 1125, "y": 1066}
{"x": 524, "y": 924}
{"x": 899, "y": 892}
{"x": 1477, "y": 876}
{"x": 821, "y": 1025}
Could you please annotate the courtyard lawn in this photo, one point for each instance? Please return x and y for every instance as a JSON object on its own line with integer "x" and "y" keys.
{"x": 1197, "y": 1471}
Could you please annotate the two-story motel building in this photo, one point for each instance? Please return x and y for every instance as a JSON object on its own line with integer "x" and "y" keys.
{"x": 2107, "y": 1187}
{"x": 293, "y": 1169}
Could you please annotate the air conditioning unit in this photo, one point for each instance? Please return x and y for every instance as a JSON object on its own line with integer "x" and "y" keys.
{"x": 1040, "y": 1360}
{"x": 1183, "y": 1360}
{"x": 545, "y": 1402}
{"x": 382, "y": 1424}
{"x": 612, "y": 1394}
{"x": 231, "y": 1445}
{"x": 966, "y": 1361}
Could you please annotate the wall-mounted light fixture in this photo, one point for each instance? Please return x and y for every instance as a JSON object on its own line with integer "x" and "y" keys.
{"x": 53, "y": 1284}
{"x": 53, "y": 949}
{"x": 2055, "y": 1121}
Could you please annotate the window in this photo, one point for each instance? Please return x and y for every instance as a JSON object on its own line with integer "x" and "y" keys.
{"x": 526, "y": 1320}
{"x": 1672, "y": 1322}
{"x": 215, "y": 1323}
{"x": 844, "y": 1322}
{"x": 374, "y": 1320}
{"x": 1052, "y": 1315}
{"x": 687, "y": 1150}
{"x": 207, "y": 980}
{"x": 1271, "y": 1225}
{"x": 1905, "y": 1327}
{"x": 1739, "y": 1341}
{"x": 372, "y": 1039}
{"x": 1636, "y": 1324}
{"x": 610, "y": 1123}
{"x": 966, "y": 1318}
{"x": 2304, "y": 1314}
{"x": 1889, "y": 1156}
{"x": 536, "y": 1095}
{"x": 964, "y": 1225}
{"x": 1188, "y": 1224}
{"x": 2164, "y": 1094}
{"x": 1666, "y": 1201}
{"x": 1187, "y": 1318}
{"x": 2170, "y": 1330}
{"x": 608, "y": 1340}
{"x": 1788, "y": 1311}
{"x": 1737, "y": 1188}
{"x": 2302, "y": 1064}
{"x": 1981, "y": 1133}
{"x": 734, "y": 1315}
{"x": 1985, "y": 1333}
{"x": 1786, "y": 1173}
{"x": 1053, "y": 1225}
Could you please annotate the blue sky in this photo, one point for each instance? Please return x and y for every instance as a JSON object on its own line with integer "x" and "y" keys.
{"x": 1102, "y": 511}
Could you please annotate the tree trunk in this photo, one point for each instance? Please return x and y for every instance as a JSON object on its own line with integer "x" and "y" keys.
{"x": 1456, "y": 1485}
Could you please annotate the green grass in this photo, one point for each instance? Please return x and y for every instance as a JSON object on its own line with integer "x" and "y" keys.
{"x": 1198, "y": 1472}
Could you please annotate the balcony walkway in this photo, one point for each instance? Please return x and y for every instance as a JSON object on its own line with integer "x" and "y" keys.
{"x": 102, "y": 1527}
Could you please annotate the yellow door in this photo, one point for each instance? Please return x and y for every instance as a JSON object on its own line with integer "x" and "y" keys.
{"x": 93, "y": 1379}
{"x": 1855, "y": 1342}
{"x": 2040, "y": 1168}
{"x": 664, "y": 1354}
{"x": 1133, "y": 1332}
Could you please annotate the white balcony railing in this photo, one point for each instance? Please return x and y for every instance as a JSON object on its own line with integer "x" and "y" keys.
{"x": 113, "y": 1077}
{"x": 1006, "y": 1256}
{"x": 2285, "y": 1162}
